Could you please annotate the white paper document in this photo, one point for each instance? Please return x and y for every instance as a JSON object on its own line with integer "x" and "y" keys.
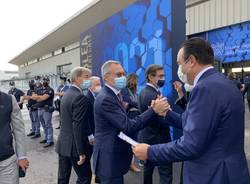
{"x": 127, "y": 139}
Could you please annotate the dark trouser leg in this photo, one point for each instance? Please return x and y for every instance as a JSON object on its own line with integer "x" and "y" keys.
{"x": 166, "y": 174}
{"x": 32, "y": 119}
{"x": 37, "y": 122}
{"x": 83, "y": 172}
{"x": 148, "y": 173}
{"x": 181, "y": 177}
{"x": 64, "y": 170}
{"x": 248, "y": 101}
{"x": 118, "y": 180}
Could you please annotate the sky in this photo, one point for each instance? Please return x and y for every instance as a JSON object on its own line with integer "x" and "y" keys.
{"x": 25, "y": 22}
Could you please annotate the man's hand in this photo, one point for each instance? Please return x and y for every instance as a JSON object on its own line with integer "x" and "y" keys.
{"x": 141, "y": 151}
{"x": 23, "y": 163}
{"x": 160, "y": 105}
{"x": 81, "y": 159}
{"x": 26, "y": 97}
{"x": 178, "y": 88}
{"x": 92, "y": 141}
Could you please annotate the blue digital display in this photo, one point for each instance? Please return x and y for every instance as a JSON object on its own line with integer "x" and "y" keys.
{"x": 137, "y": 36}
{"x": 230, "y": 44}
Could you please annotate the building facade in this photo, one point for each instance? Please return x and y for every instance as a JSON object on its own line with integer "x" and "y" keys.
{"x": 204, "y": 17}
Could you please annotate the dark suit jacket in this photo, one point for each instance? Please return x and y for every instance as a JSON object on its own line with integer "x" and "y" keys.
{"x": 156, "y": 132}
{"x": 212, "y": 144}
{"x": 73, "y": 137}
{"x": 127, "y": 98}
{"x": 112, "y": 156}
{"x": 91, "y": 113}
{"x": 247, "y": 90}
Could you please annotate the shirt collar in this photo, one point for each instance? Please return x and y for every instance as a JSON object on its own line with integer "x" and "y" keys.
{"x": 77, "y": 87}
{"x": 151, "y": 85}
{"x": 93, "y": 94}
{"x": 113, "y": 89}
{"x": 200, "y": 74}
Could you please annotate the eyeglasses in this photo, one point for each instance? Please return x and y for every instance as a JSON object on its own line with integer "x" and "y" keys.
{"x": 187, "y": 60}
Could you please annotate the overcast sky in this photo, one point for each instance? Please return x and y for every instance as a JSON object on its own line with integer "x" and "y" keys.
{"x": 24, "y": 22}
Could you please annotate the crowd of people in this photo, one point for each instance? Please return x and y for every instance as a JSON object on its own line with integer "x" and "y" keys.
{"x": 93, "y": 113}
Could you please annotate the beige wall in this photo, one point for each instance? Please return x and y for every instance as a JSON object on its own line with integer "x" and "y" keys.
{"x": 214, "y": 14}
{"x": 49, "y": 66}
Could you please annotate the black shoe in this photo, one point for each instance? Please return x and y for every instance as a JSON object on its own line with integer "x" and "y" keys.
{"x": 43, "y": 141}
{"x": 58, "y": 127}
{"x": 31, "y": 134}
{"x": 36, "y": 136}
{"x": 97, "y": 179}
{"x": 48, "y": 144}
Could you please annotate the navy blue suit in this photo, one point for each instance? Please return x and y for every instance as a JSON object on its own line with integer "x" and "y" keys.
{"x": 155, "y": 133}
{"x": 91, "y": 112}
{"x": 112, "y": 156}
{"x": 212, "y": 144}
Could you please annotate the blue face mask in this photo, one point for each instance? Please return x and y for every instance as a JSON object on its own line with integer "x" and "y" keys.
{"x": 120, "y": 82}
{"x": 86, "y": 84}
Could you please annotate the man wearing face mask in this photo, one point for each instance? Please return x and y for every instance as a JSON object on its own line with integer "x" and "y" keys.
{"x": 183, "y": 78}
{"x": 60, "y": 92}
{"x": 112, "y": 156}
{"x": 212, "y": 145}
{"x": 33, "y": 111}
{"x": 73, "y": 145}
{"x": 17, "y": 93}
{"x": 95, "y": 88}
{"x": 45, "y": 97}
{"x": 155, "y": 133}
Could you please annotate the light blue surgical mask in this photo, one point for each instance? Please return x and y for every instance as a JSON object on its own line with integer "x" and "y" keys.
{"x": 120, "y": 82}
{"x": 86, "y": 84}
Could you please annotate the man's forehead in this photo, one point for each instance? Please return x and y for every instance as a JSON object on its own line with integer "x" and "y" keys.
{"x": 117, "y": 68}
{"x": 180, "y": 55}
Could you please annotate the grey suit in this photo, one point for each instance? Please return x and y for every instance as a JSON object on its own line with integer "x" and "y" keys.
{"x": 17, "y": 124}
{"x": 9, "y": 167}
{"x": 73, "y": 138}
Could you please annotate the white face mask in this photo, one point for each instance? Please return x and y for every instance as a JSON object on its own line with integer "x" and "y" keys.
{"x": 181, "y": 75}
{"x": 97, "y": 89}
{"x": 188, "y": 87}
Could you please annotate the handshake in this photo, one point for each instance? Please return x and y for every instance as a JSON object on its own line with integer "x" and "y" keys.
{"x": 160, "y": 106}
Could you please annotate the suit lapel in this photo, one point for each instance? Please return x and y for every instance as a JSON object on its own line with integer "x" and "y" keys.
{"x": 111, "y": 93}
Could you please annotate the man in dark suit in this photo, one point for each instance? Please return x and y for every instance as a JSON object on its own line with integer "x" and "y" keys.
{"x": 212, "y": 145}
{"x": 73, "y": 145}
{"x": 93, "y": 91}
{"x": 112, "y": 156}
{"x": 95, "y": 88}
{"x": 155, "y": 133}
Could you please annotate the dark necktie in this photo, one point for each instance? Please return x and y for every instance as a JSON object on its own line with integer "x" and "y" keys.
{"x": 122, "y": 103}
{"x": 119, "y": 96}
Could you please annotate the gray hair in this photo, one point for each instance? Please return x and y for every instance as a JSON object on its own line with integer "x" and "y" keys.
{"x": 94, "y": 78}
{"x": 106, "y": 66}
{"x": 77, "y": 72}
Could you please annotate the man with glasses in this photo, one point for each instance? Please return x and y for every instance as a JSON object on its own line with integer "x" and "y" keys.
{"x": 212, "y": 145}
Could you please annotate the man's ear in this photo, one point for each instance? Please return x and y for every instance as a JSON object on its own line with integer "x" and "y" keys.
{"x": 105, "y": 78}
{"x": 193, "y": 60}
{"x": 150, "y": 77}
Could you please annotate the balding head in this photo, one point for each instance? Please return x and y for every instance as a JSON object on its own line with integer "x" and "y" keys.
{"x": 95, "y": 84}
{"x": 110, "y": 70}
